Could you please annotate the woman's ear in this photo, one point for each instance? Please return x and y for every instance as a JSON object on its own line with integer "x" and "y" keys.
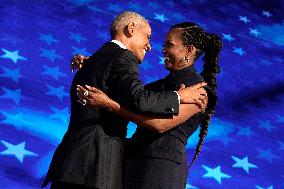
{"x": 191, "y": 50}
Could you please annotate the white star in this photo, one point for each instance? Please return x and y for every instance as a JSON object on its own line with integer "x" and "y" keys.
{"x": 56, "y": 91}
{"x": 244, "y": 19}
{"x": 160, "y": 17}
{"x": 259, "y": 187}
{"x": 215, "y": 173}
{"x": 254, "y": 32}
{"x": 239, "y": 51}
{"x": 243, "y": 163}
{"x": 61, "y": 114}
{"x": 162, "y": 59}
{"x": 189, "y": 186}
{"x": 13, "y": 55}
{"x": 228, "y": 37}
{"x": 266, "y": 13}
{"x": 18, "y": 150}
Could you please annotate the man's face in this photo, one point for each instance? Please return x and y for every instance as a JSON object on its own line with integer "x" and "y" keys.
{"x": 141, "y": 40}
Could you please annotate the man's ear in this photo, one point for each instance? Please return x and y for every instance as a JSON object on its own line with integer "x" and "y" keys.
{"x": 129, "y": 29}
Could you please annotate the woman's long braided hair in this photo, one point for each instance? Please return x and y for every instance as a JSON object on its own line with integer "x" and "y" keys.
{"x": 211, "y": 45}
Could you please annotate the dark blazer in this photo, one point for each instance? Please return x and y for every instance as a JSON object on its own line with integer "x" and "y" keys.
{"x": 159, "y": 160}
{"x": 91, "y": 151}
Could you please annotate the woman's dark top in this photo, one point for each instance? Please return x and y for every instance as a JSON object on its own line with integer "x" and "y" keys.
{"x": 159, "y": 160}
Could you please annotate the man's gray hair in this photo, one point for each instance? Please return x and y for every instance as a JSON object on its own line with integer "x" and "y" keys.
{"x": 123, "y": 20}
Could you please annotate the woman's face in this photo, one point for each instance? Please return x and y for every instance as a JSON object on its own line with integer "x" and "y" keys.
{"x": 174, "y": 50}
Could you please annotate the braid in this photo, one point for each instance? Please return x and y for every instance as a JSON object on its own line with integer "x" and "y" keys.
{"x": 210, "y": 70}
{"x": 211, "y": 45}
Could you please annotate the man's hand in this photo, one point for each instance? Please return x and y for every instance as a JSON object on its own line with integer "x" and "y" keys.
{"x": 194, "y": 95}
{"x": 77, "y": 62}
{"x": 94, "y": 97}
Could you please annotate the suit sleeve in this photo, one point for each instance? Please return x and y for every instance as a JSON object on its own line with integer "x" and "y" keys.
{"x": 125, "y": 83}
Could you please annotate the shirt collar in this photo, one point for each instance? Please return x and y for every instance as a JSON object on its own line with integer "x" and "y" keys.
{"x": 119, "y": 43}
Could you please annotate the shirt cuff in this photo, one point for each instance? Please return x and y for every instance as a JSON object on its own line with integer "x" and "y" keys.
{"x": 178, "y": 97}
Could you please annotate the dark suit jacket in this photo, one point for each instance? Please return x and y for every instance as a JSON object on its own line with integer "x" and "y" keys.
{"x": 91, "y": 152}
{"x": 159, "y": 160}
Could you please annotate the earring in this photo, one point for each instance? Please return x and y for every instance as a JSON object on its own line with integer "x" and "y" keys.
{"x": 183, "y": 59}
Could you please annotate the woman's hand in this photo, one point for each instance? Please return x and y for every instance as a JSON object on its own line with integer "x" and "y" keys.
{"x": 94, "y": 97}
{"x": 77, "y": 62}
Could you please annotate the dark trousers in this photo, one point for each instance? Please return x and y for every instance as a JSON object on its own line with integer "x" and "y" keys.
{"x": 65, "y": 185}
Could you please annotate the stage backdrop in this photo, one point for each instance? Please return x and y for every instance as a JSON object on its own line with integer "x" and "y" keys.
{"x": 245, "y": 145}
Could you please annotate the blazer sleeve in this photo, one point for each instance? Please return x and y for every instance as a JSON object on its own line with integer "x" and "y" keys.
{"x": 125, "y": 82}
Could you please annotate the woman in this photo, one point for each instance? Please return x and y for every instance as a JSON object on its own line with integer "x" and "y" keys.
{"x": 158, "y": 159}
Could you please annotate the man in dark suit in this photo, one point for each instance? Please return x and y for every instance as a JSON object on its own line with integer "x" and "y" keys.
{"x": 91, "y": 152}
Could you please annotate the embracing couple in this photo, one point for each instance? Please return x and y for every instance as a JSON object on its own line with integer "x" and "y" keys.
{"x": 106, "y": 93}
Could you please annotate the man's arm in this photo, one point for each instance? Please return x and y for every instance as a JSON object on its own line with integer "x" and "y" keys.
{"x": 124, "y": 78}
{"x": 96, "y": 98}
{"x": 125, "y": 82}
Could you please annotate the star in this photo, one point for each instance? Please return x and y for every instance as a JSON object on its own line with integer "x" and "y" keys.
{"x": 50, "y": 54}
{"x": 267, "y": 155}
{"x": 80, "y": 51}
{"x": 254, "y": 32}
{"x": 239, "y": 51}
{"x": 14, "y": 95}
{"x": 266, "y": 125}
{"x": 228, "y": 37}
{"x": 14, "y": 74}
{"x": 246, "y": 132}
{"x": 12, "y": 55}
{"x": 15, "y": 120}
{"x": 160, "y": 17}
{"x": 215, "y": 173}
{"x": 135, "y": 6}
{"x": 259, "y": 187}
{"x": 189, "y": 186}
{"x": 53, "y": 72}
{"x": 162, "y": 59}
{"x": 281, "y": 145}
{"x": 244, "y": 19}
{"x": 243, "y": 163}
{"x": 56, "y": 91}
{"x": 61, "y": 114}
{"x": 47, "y": 38}
{"x": 77, "y": 37}
{"x": 153, "y": 5}
{"x": 146, "y": 65}
{"x": 18, "y": 150}
{"x": 280, "y": 119}
{"x": 266, "y": 13}
{"x": 114, "y": 7}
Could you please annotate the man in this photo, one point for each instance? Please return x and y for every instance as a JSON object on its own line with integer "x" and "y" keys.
{"x": 91, "y": 152}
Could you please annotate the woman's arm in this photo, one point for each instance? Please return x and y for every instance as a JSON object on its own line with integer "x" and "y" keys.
{"x": 96, "y": 98}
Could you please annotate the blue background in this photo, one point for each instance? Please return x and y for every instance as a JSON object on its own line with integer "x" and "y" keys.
{"x": 245, "y": 145}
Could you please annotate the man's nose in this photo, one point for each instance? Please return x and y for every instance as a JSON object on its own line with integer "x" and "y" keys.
{"x": 149, "y": 47}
